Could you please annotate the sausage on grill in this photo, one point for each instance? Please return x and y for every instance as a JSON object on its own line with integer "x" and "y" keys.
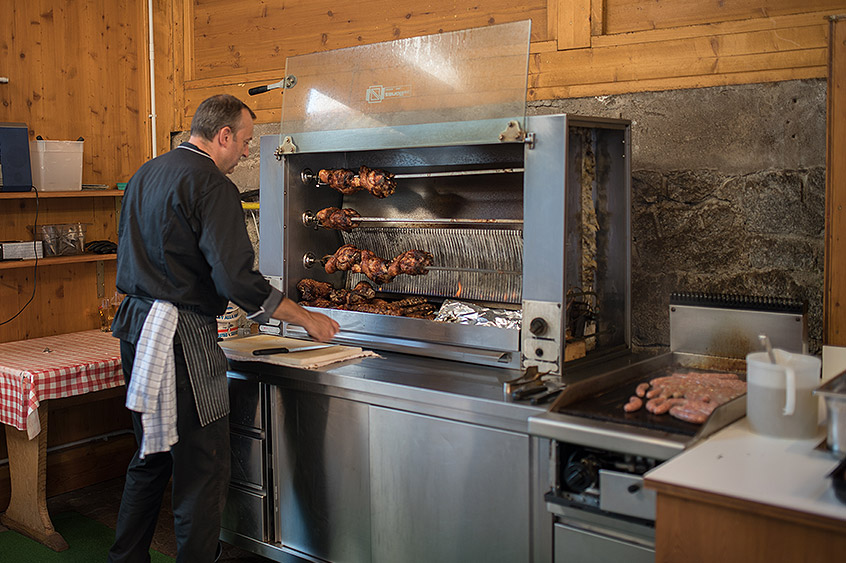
{"x": 687, "y": 396}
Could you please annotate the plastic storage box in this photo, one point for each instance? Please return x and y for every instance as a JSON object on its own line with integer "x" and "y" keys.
{"x": 56, "y": 165}
{"x": 63, "y": 240}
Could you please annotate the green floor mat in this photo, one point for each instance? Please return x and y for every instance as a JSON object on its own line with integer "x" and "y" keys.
{"x": 88, "y": 539}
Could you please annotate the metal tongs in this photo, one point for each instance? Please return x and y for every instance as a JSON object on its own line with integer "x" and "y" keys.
{"x": 536, "y": 386}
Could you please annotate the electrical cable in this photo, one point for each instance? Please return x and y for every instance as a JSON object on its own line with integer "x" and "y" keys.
{"x": 35, "y": 266}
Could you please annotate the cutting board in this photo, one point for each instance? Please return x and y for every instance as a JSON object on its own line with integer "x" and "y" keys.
{"x": 242, "y": 349}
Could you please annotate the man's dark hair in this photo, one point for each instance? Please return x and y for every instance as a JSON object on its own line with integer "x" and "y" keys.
{"x": 217, "y": 112}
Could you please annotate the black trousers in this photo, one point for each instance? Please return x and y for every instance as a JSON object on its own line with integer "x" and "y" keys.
{"x": 199, "y": 466}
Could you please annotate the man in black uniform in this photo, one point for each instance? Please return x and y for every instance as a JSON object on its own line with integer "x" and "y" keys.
{"x": 183, "y": 254}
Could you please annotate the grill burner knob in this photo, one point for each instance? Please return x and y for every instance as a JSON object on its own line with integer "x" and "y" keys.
{"x": 581, "y": 471}
{"x": 538, "y": 326}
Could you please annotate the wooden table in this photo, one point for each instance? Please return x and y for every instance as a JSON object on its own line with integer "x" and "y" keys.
{"x": 31, "y": 373}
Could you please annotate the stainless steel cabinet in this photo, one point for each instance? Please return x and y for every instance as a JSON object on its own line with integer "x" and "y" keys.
{"x": 357, "y": 482}
{"x": 248, "y": 507}
{"x": 447, "y": 491}
{"x": 323, "y": 482}
{"x": 404, "y": 474}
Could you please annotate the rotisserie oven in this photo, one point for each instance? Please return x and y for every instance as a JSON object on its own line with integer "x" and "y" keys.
{"x": 410, "y": 198}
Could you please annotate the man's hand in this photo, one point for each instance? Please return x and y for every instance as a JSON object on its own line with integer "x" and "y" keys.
{"x": 319, "y": 326}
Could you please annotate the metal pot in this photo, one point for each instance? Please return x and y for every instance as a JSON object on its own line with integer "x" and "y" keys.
{"x": 834, "y": 393}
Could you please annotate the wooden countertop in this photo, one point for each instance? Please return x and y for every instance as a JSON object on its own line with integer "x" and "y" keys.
{"x": 784, "y": 474}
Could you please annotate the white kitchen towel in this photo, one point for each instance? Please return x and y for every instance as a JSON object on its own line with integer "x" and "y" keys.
{"x": 152, "y": 387}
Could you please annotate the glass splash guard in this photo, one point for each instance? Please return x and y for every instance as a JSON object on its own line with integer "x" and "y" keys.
{"x": 461, "y": 87}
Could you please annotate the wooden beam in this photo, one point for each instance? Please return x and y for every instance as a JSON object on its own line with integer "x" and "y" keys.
{"x": 673, "y": 83}
{"x": 597, "y": 18}
{"x": 757, "y": 51}
{"x": 574, "y": 24}
{"x": 739, "y": 28}
{"x": 638, "y": 15}
{"x": 834, "y": 290}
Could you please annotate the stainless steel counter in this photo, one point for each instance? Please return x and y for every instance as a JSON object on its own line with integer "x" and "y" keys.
{"x": 454, "y": 390}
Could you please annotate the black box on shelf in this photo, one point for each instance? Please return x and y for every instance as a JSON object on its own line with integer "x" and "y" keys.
{"x": 15, "y": 167}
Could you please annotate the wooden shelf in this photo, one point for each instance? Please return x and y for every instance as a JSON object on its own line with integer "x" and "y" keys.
{"x": 81, "y": 193}
{"x": 54, "y": 260}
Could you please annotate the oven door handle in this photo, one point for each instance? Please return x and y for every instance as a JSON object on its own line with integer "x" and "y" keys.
{"x": 602, "y": 531}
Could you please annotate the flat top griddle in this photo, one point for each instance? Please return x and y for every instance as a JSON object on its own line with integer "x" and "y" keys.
{"x": 607, "y": 405}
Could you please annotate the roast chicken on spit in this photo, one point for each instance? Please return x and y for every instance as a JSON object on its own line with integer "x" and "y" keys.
{"x": 378, "y": 182}
{"x": 335, "y": 218}
{"x": 349, "y": 258}
{"x": 361, "y": 298}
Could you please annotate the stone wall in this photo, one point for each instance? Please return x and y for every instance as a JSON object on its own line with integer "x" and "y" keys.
{"x": 728, "y": 194}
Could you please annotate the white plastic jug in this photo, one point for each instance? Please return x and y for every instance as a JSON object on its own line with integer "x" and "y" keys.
{"x": 780, "y": 397}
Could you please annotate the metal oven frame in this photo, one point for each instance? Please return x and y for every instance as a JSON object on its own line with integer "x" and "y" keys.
{"x": 548, "y": 154}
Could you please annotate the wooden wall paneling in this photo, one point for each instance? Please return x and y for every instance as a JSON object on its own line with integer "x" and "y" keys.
{"x": 834, "y": 292}
{"x": 167, "y": 25}
{"x": 60, "y": 111}
{"x": 172, "y": 41}
{"x": 782, "y": 42}
{"x": 15, "y": 56}
{"x": 674, "y": 83}
{"x": 623, "y": 16}
{"x": 65, "y": 299}
{"x": 553, "y": 73}
{"x": 242, "y": 37}
{"x": 135, "y": 112}
{"x": 98, "y": 214}
{"x": 268, "y": 106}
{"x": 97, "y": 98}
{"x": 731, "y": 28}
{"x": 551, "y": 20}
{"x": 182, "y": 61}
{"x": 597, "y": 18}
{"x": 73, "y": 70}
{"x": 574, "y": 27}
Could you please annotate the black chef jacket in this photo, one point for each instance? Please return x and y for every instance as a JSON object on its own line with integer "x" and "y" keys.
{"x": 182, "y": 239}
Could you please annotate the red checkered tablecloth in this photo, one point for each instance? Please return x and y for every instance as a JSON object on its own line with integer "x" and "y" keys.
{"x": 52, "y": 367}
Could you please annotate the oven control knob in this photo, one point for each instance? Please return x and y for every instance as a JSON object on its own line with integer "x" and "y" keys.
{"x": 538, "y": 326}
{"x": 581, "y": 472}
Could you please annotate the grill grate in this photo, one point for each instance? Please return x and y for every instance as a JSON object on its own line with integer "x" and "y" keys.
{"x": 471, "y": 264}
